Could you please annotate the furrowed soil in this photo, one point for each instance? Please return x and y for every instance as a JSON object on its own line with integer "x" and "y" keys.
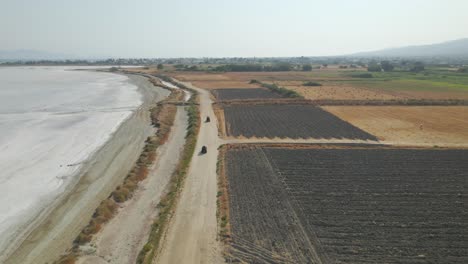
{"x": 347, "y": 205}
{"x": 287, "y": 121}
{"x": 430, "y": 125}
{"x": 242, "y": 93}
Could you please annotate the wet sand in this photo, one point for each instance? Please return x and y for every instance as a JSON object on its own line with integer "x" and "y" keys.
{"x": 53, "y": 231}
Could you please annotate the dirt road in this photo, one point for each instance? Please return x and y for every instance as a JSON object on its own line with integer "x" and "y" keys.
{"x": 123, "y": 237}
{"x": 192, "y": 234}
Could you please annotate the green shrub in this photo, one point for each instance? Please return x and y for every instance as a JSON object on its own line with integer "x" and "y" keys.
{"x": 310, "y": 83}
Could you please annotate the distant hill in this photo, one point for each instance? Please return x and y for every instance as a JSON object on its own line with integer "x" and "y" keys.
{"x": 27, "y": 55}
{"x": 455, "y": 48}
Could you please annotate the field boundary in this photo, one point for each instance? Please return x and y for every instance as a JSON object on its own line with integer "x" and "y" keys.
{"x": 255, "y": 145}
{"x": 329, "y": 102}
{"x": 222, "y": 202}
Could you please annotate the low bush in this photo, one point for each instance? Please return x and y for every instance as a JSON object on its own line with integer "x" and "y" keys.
{"x": 310, "y": 83}
{"x": 281, "y": 90}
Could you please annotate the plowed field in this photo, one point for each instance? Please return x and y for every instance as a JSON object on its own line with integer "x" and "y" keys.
{"x": 243, "y": 93}
{"x": 288, "y": 121}
{"x": 347, "y": 205}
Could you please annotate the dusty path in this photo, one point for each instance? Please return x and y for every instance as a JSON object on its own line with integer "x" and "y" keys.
{"x": 192, "y": 234}
{"x": 125, "y": 235}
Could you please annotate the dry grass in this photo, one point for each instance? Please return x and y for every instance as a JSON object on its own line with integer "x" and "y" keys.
{"x": 222, "y": 203}
{"x": 340, "y": 92}
{"x": 219, "y": 112}
{"x": 436, "y": 125}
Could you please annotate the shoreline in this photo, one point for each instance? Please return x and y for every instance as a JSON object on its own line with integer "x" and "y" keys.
{"x": 48, "y": 235}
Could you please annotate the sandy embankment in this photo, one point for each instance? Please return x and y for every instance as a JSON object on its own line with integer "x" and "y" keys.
{"x": 53, "y": 231}
{"x": 124, "y": 236}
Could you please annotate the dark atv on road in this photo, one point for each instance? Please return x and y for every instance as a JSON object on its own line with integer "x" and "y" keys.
{"x": 207, "y": 119}
{"x": 203, "y": 150}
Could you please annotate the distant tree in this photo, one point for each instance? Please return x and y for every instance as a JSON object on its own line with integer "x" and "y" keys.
{"x": 374, "y": 67}
{"x": 417, "y": 67}
{"x": 306, "y": 67}
{"x": 343, "y": 67}
{"x": 160, "y": 66}
{"x": 387, "y": 66}
{"x": 463, "y": 69}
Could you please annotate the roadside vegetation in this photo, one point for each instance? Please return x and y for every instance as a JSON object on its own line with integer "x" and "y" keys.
{"x": 222, "y": 198}
{"x": 168, "y": 202}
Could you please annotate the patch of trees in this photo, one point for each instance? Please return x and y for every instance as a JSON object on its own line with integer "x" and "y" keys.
{"x": 281, "y": 90}
{"x": 306, "y": 67}
{"x": 374, "y": 67}
{"x": 254, "y": 67}
{"x": 417, "y": 67}
{"x": 386, "y": 66}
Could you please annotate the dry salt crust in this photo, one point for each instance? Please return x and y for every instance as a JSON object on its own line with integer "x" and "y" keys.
{"x": 51, "y": 120}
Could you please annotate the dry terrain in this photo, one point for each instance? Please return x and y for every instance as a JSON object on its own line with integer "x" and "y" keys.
{"x": 337, "y": 84}
{"x": 345, "y": 204}
{"x": 429, "y": 125}
{"x": 122, "y": 238}
{"x": 192, "y": 233}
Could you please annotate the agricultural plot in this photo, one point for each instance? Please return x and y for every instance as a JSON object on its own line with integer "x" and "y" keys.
{"x": 432, "y": 125}
{"x": 347, "y": 205}
{"x": 244, "y": 93}
{"x": 288, "y": 121}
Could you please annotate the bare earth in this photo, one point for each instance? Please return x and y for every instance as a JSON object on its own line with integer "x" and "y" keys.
{"x": 125, "y": 235}
{"x": 420, "y": 125}
{"x": 192, "y": 233}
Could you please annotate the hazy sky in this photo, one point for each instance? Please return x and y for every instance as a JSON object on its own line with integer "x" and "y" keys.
{"x": 217, "y": 28}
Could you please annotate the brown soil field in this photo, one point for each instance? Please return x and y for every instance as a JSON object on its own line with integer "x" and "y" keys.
{"x": 436, "y": 125}
{"x": 345, "y": 205}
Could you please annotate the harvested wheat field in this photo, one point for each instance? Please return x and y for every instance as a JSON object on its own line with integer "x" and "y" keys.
{"x": 341, "y": 92}
{"x": 431, "y": 125}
